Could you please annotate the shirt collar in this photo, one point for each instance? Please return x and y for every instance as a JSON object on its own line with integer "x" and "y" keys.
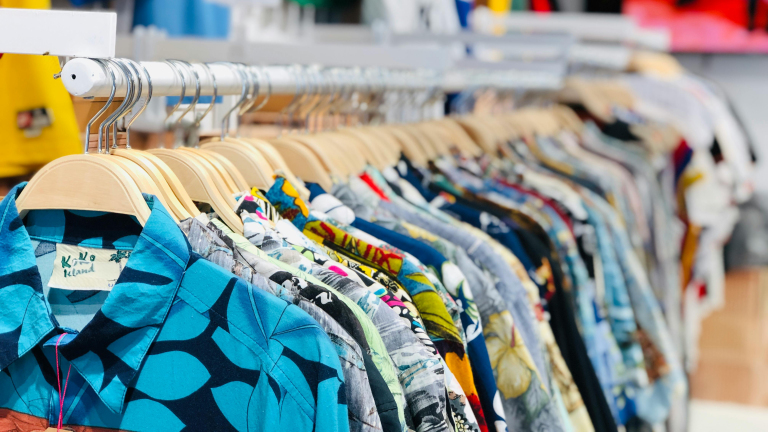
{"x": 110, "y": 349}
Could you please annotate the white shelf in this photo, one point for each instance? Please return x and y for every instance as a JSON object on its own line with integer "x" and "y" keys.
{"x": 58, "y": 33}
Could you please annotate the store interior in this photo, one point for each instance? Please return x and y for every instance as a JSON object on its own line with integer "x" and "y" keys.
{"x": 384, "y": 215}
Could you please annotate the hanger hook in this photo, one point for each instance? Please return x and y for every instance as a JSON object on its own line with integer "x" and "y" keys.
{"x": 301, "y": 86}
{"x": 129, "y": 95}
{"x": 253, "y": 89}
{"x": 243, "y": 95}
{"x": 178, "y": 74}
{"x": 269, "y": 90}
{"x": 215, "y": 95}
{"x": 316, "y": 97}
{"x": 330, "y": 85}
{"x": 106, "y": 105}
{"x": 131, "y": 99}
{"x": 143, "y": 107}
{"x": 196, "y": 76}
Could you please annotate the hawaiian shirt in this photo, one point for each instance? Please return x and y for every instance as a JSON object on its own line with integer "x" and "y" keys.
{"x": 515, "y": 395}
{"x": 293, "y": 281}
{"x": 420, "y": 370}
{"x": 176, "y": 342}
{"x": 508, "y": 284}
{"x": 362, "y": 407}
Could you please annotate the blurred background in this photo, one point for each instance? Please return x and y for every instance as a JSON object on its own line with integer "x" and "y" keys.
{"x": 725, "y": 41}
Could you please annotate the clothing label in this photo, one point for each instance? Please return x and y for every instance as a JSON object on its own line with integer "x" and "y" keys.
{"x": 84, "y": 268}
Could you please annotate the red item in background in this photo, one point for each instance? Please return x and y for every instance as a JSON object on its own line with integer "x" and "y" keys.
{"x": 714, "y": 26}
{"x": 541, "y": 6}
{"x": 369, "y": 181}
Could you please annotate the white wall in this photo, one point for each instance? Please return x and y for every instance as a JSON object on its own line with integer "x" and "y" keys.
{"x": 744, "y": 78}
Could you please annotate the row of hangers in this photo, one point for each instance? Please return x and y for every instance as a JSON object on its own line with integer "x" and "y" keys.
{"x": 213, "y": 171}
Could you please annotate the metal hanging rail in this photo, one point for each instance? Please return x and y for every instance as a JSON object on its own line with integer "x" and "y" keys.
{"x": 88, "y": 78}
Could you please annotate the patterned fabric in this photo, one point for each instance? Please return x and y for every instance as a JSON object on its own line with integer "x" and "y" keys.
{"x": 484, "y": 291}
{"x": 439, "y": 324}
{"x": 508, "y": 285}
{"x": 292, "y": 281}
{"x": 614, "y": 366}
{"x": 459, "y": 288}
{"x": 362, "y": 408}
{"x": 421, "y": 372}
{"x": 177, "y": 341}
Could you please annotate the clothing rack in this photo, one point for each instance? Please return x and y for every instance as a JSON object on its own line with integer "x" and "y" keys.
{"x": 88, "y": 78}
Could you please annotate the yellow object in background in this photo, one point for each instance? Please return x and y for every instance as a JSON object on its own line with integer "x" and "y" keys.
{"x": 500, "y": 6}
{"x": 37, "y": 120}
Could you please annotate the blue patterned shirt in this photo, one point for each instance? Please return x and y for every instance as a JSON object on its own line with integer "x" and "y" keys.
{"x": 176, "y": 342}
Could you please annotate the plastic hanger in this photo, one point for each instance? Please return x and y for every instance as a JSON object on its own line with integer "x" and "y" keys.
{"x": 200, "y": 179}
{"x": 85, "y": 182}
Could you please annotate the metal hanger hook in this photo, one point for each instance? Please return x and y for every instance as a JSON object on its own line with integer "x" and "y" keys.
{"x": 143, "y": 107}
{"x": 213, "y": 99}
{"x": 106, "y": 68}
{"x": 243, "y": 96}
{"x": 178, "y": 74}
{"x": 128, "y": 96}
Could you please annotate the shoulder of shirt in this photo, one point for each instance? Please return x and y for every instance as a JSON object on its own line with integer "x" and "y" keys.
{"x": 254, "y": 317}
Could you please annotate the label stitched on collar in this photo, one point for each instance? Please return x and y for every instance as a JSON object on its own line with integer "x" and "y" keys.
{"x": 85, "y": 268}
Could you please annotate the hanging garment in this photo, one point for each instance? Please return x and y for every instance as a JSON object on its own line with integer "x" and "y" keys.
{"x": 173, "y": 327}
{"x": 361, "y": 404}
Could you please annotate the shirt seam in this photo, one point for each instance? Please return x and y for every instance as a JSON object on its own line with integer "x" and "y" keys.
{"x": 274, "y": 364}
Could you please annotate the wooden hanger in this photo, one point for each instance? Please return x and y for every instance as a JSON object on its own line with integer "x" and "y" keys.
{"x": 199, "y": 177}
{"x": 158, "y": 173}
{"x": 410, "y": 147}
{"x": 568, "y": 118}
{"x": 462, "y": 139}
{"x": 214, "y": 160}
{"x": 301, "y": 161}
{"x": 478, "y": 133}
{"x": 389, "y": 143}
{"x": 242, "y": 161}
{"x": 172, "y": 201}
{"x": 312, "y": 148}
{"x": 266, "y": 157}
{"x": 246, "y": 159}
{"x": 375, "y": 148}
{"x": 425, "y": 143}
{"x": 200, "y": 184}
{"x": 85, "y": 182}
{"x": 351, "y": 143}
{"x": 439, "y": 138}
{"x": 142, "y": 179}
{"x": 348, "y": 152}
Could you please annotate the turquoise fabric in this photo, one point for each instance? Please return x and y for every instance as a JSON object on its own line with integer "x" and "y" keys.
{"x": 176, "y": 343}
